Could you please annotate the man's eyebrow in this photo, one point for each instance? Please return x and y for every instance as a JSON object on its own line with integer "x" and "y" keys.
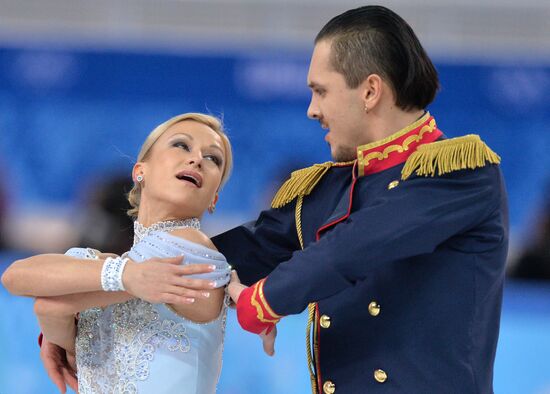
{"x": 314, "y": 85}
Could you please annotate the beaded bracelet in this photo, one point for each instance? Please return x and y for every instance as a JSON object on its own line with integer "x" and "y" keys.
{"x": 111, "y": 274}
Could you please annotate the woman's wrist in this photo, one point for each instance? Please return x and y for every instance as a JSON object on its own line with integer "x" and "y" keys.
{"x": 112, "y": 272}
{"x": 128, "y": 275}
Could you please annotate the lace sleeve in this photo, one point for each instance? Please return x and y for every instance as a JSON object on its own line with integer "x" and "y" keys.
{"x": 83, "y": 253}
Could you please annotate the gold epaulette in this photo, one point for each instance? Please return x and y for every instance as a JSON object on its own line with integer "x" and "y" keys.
{"x": 443, "y": 157}
{"x": 300, "y": 183}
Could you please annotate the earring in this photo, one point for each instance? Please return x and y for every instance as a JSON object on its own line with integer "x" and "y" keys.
{"x": 212, "y": 206}
{"x": 366, "y": 109}
{"x": 139, "y": 178}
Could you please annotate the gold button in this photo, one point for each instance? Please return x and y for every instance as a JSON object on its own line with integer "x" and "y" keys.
{"x": 393, "y": 184}
{"x": 380, "y": 376}
{"x": 329, "y": 387}
{"x": 374, "y": 308}
{"x": 325, "y": 321}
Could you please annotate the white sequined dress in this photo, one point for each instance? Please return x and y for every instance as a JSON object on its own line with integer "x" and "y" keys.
{"x": 138, "y": 347}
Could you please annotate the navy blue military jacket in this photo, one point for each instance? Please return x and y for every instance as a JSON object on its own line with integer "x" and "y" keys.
{"x": 405, "y": 262}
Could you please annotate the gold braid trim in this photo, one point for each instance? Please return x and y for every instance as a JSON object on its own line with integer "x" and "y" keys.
{"x": 443, "y": 157}
{"x": 301, "y": 183}
{"x": 310, "y": 307}
{"x": 254, "y": 301}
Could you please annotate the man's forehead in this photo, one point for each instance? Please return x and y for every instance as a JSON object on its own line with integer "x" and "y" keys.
{"x": 322, "y": 49}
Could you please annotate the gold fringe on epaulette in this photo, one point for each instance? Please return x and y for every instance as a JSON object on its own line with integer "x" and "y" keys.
{"x": 443, "y": 157}
{"x": 301, "y": 183}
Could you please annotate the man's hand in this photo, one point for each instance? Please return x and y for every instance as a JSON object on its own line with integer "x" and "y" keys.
{"x": 160, "y": 281}
{"x": 60, "y": 367}
{"x": 268, "y": 341}
{"x": 235, "y": 288}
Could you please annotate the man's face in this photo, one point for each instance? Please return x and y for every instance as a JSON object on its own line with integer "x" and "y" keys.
{"x": 339, "y": 109}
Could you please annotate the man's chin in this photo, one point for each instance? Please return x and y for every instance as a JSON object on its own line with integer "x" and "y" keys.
{"x": 343, "y": 154}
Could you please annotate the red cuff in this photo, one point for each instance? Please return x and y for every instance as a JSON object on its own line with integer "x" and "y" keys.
{"x": 253, "y": 311}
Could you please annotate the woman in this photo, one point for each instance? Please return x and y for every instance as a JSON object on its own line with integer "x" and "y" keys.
{"x": 125, "y": 344}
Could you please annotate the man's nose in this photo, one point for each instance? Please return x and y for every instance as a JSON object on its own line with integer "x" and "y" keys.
{"x": 313, "y": 111}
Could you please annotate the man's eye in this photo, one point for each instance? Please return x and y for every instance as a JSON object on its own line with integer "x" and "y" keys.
{"x": 180, "y": 144}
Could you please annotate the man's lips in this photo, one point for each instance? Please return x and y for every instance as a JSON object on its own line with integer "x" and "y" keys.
{"x": 190, "y": 176}
{"x": 327, "y": 137}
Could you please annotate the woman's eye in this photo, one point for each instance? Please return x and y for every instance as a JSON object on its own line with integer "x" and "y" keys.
{"x": 180, "y": 144}
{"x": 215, "y": 159}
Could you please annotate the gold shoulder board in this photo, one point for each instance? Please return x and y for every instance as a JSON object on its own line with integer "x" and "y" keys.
{"x": 443, "y": 157}
{"x": 300, "y": 183}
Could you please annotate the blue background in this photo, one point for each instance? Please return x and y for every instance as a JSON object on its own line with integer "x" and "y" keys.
{"x": 68, "y": 116}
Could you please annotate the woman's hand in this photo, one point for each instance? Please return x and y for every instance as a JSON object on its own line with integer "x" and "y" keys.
{"x": 160, "y": 281}
{"x": 60, "y": 366}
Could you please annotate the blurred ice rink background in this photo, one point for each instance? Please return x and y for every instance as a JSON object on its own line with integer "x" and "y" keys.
{"x": 83, "y": 82}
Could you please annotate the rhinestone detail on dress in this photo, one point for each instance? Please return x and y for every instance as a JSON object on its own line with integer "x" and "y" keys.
{"x": 140, "y": 231}
{"x": 116, "y": 345}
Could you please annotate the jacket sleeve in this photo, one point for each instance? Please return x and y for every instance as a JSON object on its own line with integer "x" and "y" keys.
{"x": 410, "y": 220}
{"x": 256, "y": 248}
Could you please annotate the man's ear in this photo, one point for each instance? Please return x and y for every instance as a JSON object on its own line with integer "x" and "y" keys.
{"x": 372, "y": 88}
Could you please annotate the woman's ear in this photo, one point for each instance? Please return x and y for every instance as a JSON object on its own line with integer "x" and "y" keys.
{"x": 138, "y": 172}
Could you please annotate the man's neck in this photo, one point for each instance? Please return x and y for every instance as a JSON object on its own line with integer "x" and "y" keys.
{"x": 385, "y": 123}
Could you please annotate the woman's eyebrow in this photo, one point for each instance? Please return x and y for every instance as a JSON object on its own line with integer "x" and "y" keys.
{"x": 191, "y": 138}
{"x": 184, "y": 134}
{"x": 218, "y": 148}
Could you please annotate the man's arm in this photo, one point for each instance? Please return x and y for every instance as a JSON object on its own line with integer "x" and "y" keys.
{"x": 403, "y": 222}
{"x": 256, "y": 248}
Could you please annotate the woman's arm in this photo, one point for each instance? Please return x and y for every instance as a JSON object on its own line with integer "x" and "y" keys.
{"x": 207, "y": 307}
{"x": 57, "y": 329}
{"x": 56, "y": 315}
{"x": 52, "y": 275}
{"x": 156, "y": 280}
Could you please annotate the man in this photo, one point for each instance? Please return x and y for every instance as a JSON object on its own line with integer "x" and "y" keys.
{"x": 397, "y": 247}
{"x": 404, "y": 246}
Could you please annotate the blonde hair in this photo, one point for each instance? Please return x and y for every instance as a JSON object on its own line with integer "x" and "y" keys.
{"x": 134, "y": 196}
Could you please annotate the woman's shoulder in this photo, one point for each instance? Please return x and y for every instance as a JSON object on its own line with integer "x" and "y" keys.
{"x": 190, "y": 241}
{"x": 193, "y": 235}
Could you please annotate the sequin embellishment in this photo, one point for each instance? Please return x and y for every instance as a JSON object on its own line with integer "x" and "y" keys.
{"x": 119, "y": 348}
{"x": 125, "y": 343}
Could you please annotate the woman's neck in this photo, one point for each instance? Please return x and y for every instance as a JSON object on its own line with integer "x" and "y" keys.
{"x": 148, "y": 216}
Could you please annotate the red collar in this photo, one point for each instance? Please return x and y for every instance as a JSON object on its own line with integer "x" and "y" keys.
{"x": 396, "y": 149}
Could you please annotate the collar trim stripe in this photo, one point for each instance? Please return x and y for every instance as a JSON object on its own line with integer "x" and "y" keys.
{"x": 396, "y": 149}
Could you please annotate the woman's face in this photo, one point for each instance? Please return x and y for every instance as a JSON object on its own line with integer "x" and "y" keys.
{"x": 183, "y": 171}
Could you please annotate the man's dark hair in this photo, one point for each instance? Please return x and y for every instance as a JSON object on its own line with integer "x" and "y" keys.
{"x": 375, "y": 40}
